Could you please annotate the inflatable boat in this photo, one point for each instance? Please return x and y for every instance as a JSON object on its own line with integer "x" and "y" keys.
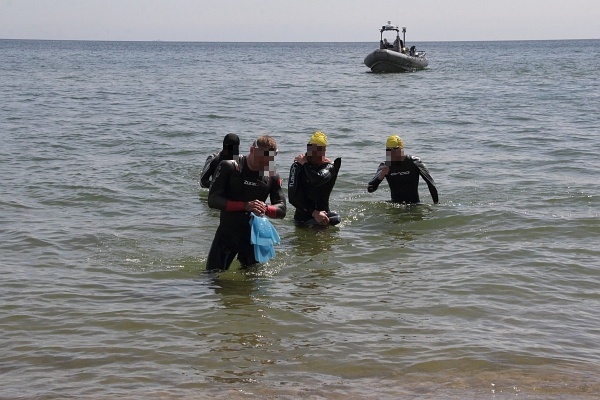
{"x": 394, "y": 57}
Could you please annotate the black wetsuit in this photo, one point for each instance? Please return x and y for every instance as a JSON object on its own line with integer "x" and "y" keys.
{"x": 234, "y": 184}
{"x": 309, "y": 187}
{"x": 210, "y": 166}
{"x": 403, "y": 179}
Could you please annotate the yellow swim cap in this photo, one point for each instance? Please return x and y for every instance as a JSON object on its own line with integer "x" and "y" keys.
{"x": 394, "y": 141}
{"x": 318, "y": 138}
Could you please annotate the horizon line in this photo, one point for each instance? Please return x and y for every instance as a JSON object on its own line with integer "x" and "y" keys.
{"x": 263, "y": 41}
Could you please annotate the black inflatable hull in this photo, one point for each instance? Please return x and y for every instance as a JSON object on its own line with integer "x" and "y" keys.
{"x": 382, "y": 60}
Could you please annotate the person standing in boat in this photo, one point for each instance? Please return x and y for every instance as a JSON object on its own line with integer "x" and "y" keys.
{"x": 312, "y": 177}
{"x": 239, "y": 188}
{"x": 397, "y": 44}
{"x": 231, "y": 151}
{"x": 402, "y": 173}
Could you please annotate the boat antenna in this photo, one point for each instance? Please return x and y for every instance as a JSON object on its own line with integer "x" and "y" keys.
{"x": 404, "y": 35}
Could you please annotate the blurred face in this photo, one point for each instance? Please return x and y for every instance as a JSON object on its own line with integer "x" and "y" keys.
{"x": 394, "y": 154}
{"x": 264, "y": 160}
{"x": 315, "y": 154}
{"x": 230, "y": 151}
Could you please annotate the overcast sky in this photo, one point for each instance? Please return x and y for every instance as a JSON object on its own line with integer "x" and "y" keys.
{"x": 298, "y": 20}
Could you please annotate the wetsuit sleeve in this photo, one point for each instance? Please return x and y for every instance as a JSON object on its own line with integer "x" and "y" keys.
{"x": 277, "y": 209}
{"x": 216, "y": 194}
{"x": 293, "y": 188}
{"x": 207, "y": 171}
{"x": 374, "y": 184}
{"x": 319, "y": 177}
{"x": 424, "y": 172}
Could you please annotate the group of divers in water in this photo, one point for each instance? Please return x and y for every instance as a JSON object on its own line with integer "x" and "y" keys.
{"x": 240, "y": 184}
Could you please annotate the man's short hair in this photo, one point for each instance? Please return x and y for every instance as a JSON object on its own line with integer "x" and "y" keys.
{"x": 266, "y": 142}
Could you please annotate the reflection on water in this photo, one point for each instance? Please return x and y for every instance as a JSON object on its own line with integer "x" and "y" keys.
{"x": 235, "y": 290}
{"x": 407, "y": 212}
{"x": 241, "y": 287}
{"x": 312, "y": 241}
{"x": 236, "y": 338}
{"x": 405, "y": 217}
{"x": 384, "y": 220}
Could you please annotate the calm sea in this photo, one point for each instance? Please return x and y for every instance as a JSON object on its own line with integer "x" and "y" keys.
{"x": 104, "y": 229}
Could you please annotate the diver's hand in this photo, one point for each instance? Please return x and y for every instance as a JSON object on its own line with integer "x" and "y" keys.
{"x": 383, "y": 171}
{"x": 257, "y": 207}
{"x": 301, "y": 159}
{"x": 321, "y": 217}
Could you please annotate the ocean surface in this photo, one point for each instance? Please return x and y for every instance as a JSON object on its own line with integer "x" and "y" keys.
{"x": 104, "y": 229}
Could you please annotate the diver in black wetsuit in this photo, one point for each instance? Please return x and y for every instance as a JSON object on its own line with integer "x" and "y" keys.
{"x": 240, "y": 187}
{"x": 231, "y": 151}
{"x": 402, "y": 173}
{"x": 312, "y": 177}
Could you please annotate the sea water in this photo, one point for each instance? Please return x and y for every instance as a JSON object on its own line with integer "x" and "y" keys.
{"x": 104, "y": 229}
